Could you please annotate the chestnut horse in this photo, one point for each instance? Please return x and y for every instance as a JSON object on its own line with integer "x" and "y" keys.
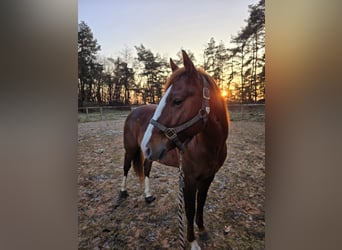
{"x": 192, "y": 119}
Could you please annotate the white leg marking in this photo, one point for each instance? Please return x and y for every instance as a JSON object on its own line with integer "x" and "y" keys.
{"x": 123, "y": 184}
{"x": 147, "y": 187}
{"x": 194, "y": 245}
{"x": 156, "y": 115}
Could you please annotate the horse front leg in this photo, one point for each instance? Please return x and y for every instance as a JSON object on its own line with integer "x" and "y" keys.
{"x": 189, "y": 202}
{"x": 203, "y": 188}
{"x": 147, "y": 169}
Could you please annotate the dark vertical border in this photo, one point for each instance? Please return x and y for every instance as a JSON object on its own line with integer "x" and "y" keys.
{"x": 38, "y": 102}
{"x": 303, "y": 125}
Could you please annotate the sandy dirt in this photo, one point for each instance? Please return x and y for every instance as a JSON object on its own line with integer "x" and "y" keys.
{"x": 234, "y": 214}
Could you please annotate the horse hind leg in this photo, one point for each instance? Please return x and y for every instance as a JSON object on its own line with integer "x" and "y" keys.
{"x": 147, "y": 169}
{"x": 137, "y": 163}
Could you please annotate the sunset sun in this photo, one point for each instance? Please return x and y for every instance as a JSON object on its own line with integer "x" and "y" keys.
{"x": 224, "y": 93}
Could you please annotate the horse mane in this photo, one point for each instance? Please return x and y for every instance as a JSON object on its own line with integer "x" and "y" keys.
{"x": 175, "y": 75}
{"x": 181, "y": 71}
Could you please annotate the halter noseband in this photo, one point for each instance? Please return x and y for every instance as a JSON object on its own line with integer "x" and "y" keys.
{"x": 171, "y": 133}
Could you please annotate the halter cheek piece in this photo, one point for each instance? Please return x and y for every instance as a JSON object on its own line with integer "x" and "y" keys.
{"x": 171, "y": 133}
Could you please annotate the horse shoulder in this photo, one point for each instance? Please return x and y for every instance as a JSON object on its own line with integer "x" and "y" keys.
{"x": 136, "y": 124}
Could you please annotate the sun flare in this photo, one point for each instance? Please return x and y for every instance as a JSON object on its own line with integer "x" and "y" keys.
{"x": 224, "y": 93}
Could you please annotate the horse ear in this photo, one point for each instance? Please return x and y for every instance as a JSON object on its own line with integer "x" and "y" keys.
{"x": 188, "y": 64}
{"x": 174, "y": 67}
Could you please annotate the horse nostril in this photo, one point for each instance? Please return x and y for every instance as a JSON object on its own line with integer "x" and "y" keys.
{"x": 162, "y": 154}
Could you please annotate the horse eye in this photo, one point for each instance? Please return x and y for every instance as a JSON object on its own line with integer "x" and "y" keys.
{"x": 177, "y": 102}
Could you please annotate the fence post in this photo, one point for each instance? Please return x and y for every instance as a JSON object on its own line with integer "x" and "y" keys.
{"x": 87, "y": 113}
{"x": 241, "y": 111}
{"x": 101, "y": 112}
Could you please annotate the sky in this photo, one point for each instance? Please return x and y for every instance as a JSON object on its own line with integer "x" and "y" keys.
{"x": 163, "y": 26}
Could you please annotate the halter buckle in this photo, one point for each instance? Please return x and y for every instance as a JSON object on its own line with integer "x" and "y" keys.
{"x": 206, "y": 93}
{"x": 170, "y": 134}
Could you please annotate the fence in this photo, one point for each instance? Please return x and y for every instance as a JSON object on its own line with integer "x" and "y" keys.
{"x": 253, "y": 112}
{"x": 86, "y": 114}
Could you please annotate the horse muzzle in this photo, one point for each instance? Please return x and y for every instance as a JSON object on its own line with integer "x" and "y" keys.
{"x": 155, "y": 153}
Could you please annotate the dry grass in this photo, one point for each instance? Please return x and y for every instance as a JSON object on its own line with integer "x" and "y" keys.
{"x": 234, "y": 212}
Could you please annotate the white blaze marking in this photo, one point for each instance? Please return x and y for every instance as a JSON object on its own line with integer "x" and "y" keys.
{"x": 123, "y": 184}
{"x": 194, "y": 245}
{"x": 147, "y": 187}
{"x": 156, "y": 115}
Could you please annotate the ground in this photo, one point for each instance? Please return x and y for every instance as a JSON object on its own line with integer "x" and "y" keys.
{"x": 234, "y": 213}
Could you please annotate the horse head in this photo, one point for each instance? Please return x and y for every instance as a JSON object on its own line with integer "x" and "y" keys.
{"x": 181, "y": 113}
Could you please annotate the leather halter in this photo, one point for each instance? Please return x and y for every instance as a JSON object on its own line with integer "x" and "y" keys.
{"x": 171, "y": 133}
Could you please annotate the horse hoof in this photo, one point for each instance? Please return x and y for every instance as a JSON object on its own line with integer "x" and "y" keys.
{"x": 203, "y": 235}
{"x": 150, "y": 199}
{"x": 123, "y": 194}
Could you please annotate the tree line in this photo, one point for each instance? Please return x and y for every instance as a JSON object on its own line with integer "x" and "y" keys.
{"x": 239, "y": 70}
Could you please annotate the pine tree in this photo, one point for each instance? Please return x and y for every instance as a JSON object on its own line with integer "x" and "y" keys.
{"x": 153, "y": 71}
{"x": 124, "y": 80}
{"x": 209, "y": 56}
{"x": 88, "y": 68}
{"x": 220, "y": 64}
{"x": 250, "y": 53}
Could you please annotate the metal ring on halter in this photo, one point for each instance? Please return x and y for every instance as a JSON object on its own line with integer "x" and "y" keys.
{"x": 202, "y": 113}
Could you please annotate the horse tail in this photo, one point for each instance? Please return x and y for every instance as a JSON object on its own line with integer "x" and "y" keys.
{"x": 138, "y": 164}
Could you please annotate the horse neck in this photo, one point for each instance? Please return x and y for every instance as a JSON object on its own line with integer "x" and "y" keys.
{"x": 217, "y": 124}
